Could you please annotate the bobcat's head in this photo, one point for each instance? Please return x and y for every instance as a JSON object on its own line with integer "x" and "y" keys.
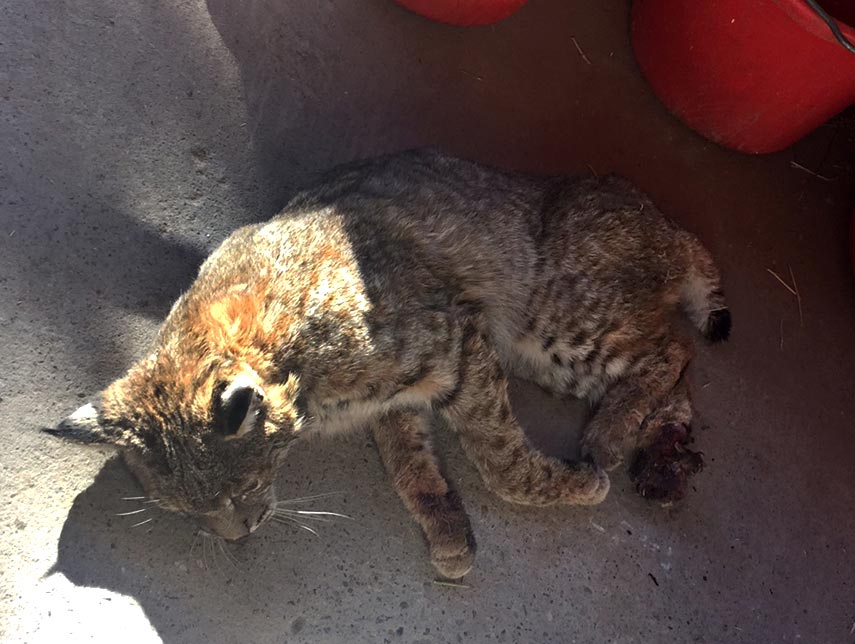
{"x": 203, "y": 439}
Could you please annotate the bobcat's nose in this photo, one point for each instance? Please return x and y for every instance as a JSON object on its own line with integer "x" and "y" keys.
{"x": 236, "y": 520}
{"x": 261, "y": 517}
{"x": 227, "y": 527}
{"x": 251, "y": 515}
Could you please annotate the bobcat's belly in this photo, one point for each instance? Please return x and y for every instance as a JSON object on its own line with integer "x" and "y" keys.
{"x": 579, "y": 366}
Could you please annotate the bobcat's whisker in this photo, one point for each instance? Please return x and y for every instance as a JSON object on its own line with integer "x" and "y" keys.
{"x": 211, "y": 555}
{"x": 303, "y": 499}
{"x": 230, "y": 555}
{"x": 319, "y": 512}
{"x": 286, "y": 514}
{"x": 127, "y": 514}
{"x": 207, "y": 545}
{"x": 205, "y": 553}
{"x": 286, "y": 520}
{"x": 134, "y": 498}
{"x": 214, "y": 558}
{"x": 193, "y": 543}
{"x": 219, "y": 545}
{"x": 136, "y": 525}
{"x": 226, "y": 554}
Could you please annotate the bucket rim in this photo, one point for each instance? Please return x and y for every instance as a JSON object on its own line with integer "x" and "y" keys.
{"x": 803, "y": 14}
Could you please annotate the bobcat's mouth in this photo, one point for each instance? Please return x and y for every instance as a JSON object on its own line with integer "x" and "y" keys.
{"x": 239, "y": 516}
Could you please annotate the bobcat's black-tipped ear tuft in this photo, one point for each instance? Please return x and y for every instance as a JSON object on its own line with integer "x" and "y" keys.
{"x": 239, "y": 409}
{"x": 718, "y": 325}
{"x": 83, "y": 426}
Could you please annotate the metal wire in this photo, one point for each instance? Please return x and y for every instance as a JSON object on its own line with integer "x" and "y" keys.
{"x": 832, "y": 24}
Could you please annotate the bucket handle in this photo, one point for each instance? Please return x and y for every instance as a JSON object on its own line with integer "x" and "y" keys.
{"x": 832, "y": 24}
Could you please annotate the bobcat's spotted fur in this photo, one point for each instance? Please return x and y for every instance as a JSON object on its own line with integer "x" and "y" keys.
{"x": 403, "y": 289}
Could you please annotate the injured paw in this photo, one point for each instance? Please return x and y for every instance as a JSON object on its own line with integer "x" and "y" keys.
{"x": 662, "y": 469}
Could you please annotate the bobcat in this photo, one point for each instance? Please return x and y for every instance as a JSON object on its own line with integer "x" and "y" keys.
{"x": 404, "y": 289}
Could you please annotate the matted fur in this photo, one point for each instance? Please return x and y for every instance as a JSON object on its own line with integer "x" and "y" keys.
{"x": 404, "y": 288}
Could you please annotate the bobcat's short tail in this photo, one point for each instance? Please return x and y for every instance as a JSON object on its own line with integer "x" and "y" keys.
{"x": 701, "y": 295}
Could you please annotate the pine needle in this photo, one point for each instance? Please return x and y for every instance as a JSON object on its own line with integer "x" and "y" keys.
{"x": 450, "y": 584}
{"x": 783, "y": 283}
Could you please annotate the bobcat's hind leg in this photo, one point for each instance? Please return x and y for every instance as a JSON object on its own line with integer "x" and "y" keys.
{"x": 403, "y": 439}
{"x": 614, "y": 429}
{"x": 663, "y": 462}
{"x": 479, "y": 410}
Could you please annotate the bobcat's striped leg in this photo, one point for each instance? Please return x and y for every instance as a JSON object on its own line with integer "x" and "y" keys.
{"x": 479, "y": 410}
{"x": 614, "y": 429}
{"x": 403, "y": 439}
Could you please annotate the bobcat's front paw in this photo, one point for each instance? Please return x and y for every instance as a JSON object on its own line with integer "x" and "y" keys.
{"x": 453, "y": 555}
{"x": 662, "y": 469}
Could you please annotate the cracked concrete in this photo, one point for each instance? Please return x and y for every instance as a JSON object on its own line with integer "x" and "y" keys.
{"x": 135, "y": 136}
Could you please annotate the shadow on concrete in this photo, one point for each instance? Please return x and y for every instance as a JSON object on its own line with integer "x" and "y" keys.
{"x": 73, "y": 274}
{"x": 324, "y": 82}
{"x": 280, "y": 582}
{"x": 367, "y": 579}
{"x": 371, "y": 574}
{"x": 102, "y": 187}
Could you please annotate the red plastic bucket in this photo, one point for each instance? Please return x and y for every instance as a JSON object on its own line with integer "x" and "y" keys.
{"x": 752, "y": 75}
{"x": 852, "y": 243}
{"x": 465, "y": 13}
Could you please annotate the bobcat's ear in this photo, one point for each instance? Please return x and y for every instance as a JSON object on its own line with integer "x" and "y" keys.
{"x": 240, "y": 407}
{"x": 85, "y": 426}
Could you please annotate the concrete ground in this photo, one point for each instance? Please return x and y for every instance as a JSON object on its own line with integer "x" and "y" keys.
{"x": 135, "y": 135}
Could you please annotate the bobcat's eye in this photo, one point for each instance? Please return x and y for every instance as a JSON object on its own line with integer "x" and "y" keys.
{"x": 253, "y": 487}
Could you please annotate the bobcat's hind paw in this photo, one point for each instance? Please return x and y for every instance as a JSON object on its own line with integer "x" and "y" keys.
{"x": 662, "y": 469}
